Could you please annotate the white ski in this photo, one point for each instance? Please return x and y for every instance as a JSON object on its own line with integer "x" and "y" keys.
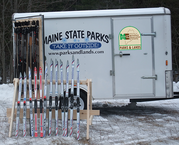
{"x": 50, "y": 100}
{"x": 41, "y": 103}
{"x": 66, "y": 100}
{"x": 24, "y": 107}
{"x": 62, "y": 99}
{"x": 31, "y": 107}
{"x": 35, "y": 102}
{"x": 18, "y": 106}
{"x": 45, "y": 99}
{"x": 72, "y": 96}
{"x": 56, "y": 97}
{"x": 78, "y": 99}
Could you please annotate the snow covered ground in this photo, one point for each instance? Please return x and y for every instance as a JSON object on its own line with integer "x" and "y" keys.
{"x": 155, "y": 123}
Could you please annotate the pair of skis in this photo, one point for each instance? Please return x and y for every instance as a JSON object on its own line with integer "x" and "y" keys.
{"x": 24, "y": 106}
{"x": 31, "y": 107}
{"x": 50, "y": 98}
{"x": 64, "y": 100}
{"x": 35, "y": 103}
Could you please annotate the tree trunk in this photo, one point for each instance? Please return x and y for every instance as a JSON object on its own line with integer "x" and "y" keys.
{"x": 3, "y": 46}
{"x": 11, "y": 68}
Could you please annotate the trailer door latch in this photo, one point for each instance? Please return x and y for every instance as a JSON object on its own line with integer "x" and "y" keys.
{"x": 111, "y": 73}
{"x": 149, "y": 77}
{"x": 149, "y": 34}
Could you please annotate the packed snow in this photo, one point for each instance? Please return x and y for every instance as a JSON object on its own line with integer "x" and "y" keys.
{"x": 153, "y": 123}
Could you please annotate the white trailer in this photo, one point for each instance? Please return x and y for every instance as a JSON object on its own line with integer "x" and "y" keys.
{"x": 126, "y": 52}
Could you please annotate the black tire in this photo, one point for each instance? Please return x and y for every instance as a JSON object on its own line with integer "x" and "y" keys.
{"x": 83, "y": 96}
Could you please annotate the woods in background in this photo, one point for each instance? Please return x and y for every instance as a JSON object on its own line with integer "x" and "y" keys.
{"x": 8, "y": 7}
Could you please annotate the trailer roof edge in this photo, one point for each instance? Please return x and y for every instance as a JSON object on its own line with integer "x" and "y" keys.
{"x": 97, "y": 13}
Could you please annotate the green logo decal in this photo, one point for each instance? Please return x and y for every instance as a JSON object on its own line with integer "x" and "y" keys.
{"x": 122, "y": 36}
{"x": 130, "y": 39}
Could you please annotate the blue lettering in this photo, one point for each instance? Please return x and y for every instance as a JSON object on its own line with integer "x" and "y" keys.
{"x": 83, "y": 45}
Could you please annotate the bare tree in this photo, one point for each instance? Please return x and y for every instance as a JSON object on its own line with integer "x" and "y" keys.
{"x": 3, "y": 46}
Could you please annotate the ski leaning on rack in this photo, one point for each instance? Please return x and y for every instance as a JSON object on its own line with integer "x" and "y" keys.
{"x": 31, "y": 107}
{"x": 66, "y": 100}
{"x": 50, "y": 100}
{"x": 78, "y": 99}
{"x": 18, "y": 106}
{"x": 35, "y": 103}
{"x": 62, "y": 99}
{"x": 41, "y": 103}
{"x": 24, "y": 107}
{"x": 56, "y": 97}
{"x": 45, "y": 99}
{"x": 72, "y": 96}
{"x": 17, "y": 31}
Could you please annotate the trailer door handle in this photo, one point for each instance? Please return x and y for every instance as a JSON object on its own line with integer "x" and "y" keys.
{"x": 149, "y": 77}
{"x": 122, "y": 54}
{"x": 126, "y": 54}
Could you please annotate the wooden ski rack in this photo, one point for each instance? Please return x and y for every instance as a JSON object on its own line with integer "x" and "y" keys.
{"x": 40, "y": 49}
{"x": 84, "y": 114}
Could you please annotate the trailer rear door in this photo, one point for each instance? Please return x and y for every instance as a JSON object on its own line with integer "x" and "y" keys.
{"x": 134, "y": 72}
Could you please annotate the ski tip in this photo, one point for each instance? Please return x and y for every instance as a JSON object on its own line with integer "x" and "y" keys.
{"x": 56, "y": 62}
{"x": 46, "y": 64}
{"x": 73, "y": 58}
{"x": 40, "y": 70}
{"x": 67, "y": 62}
{"x": 61, "y": 63}
{"x": 51, "y": 61}
{"x": 35, "y": 69}
{"x": 20, "y": 77}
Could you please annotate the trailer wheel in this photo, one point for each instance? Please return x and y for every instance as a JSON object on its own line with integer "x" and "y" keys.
{"x": 83, "y": 99}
